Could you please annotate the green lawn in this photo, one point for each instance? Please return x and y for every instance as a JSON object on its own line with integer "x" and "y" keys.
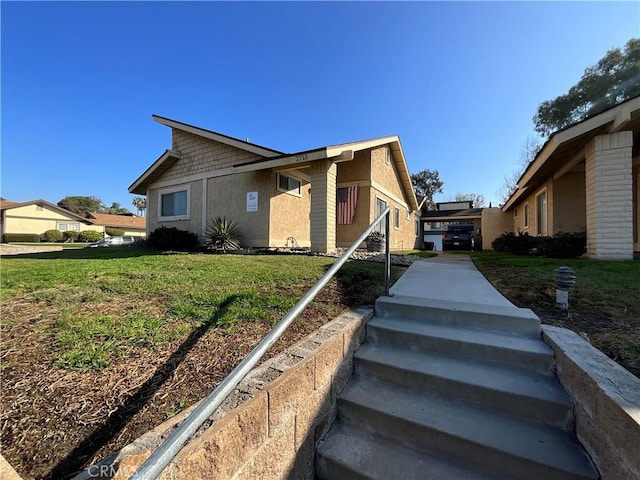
{"x": 604, "y": 305}
{"x": 105, "y": 301}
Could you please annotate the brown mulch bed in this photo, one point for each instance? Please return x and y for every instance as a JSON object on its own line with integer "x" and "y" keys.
{"x": 56, "y": 421}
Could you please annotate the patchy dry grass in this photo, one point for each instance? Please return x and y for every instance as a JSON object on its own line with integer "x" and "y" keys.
{"x": 604, "y": 305}
{"x": 99, "y": 345}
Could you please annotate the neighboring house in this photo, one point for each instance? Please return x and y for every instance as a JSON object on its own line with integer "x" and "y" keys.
{"x": 38, "y": 216}
{"x": 131, "y": 224}
{"x": 322, "y": 198}
{"x": 585, "y": 178}
{"x": 435, "y": 222}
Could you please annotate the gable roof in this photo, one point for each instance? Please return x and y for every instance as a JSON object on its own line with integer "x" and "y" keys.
{"x": 565, "y": 148}
{"x": 121, "y": 221}
{"x": 275, "y": 159}
{"x": 4, "y": 205}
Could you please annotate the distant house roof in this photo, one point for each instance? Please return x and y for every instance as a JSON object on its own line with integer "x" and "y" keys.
{"x": 450, "y": 215}
{"x": 120, "y": 221}
{"x": 6, "y": 205}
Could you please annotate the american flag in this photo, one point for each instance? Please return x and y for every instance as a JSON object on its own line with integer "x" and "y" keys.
{"x": 347, "y": 199}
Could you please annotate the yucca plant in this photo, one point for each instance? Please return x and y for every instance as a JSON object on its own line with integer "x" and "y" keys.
{"x": 222, "y": 234}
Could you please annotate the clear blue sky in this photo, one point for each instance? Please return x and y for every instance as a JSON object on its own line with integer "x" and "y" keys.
{"x": 459, "y": 82}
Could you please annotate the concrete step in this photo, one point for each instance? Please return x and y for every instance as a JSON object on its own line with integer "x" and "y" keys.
{"x": 521, "y": 321}
{"x": 506, "y": 444}
{"x": 473, "y": 343}
{"x": 349, "y": 453}
{"x": 497, "y": 387}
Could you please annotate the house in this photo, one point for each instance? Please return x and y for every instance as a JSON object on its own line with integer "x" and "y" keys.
{"x": 38, "y": 216}
{"x": 585, "y": 178}
{"x": 434, "y": 223}
{"x": 131, "y": 224}
{"x": 322, "y": 198}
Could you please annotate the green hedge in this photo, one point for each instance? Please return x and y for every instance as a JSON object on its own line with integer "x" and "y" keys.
{"x": 561, "y": 245}
{"x": 52, "y": 236}
{"x": 21, "y": 238}
{"x": 172, "y": 238}
{"x": 114, "y": 232}
{"x": 70, "y": 235}
{"x": 89, "y": 236}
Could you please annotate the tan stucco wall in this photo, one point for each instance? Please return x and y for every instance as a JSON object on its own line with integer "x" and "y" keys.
{"x": 290, "y": 214}
{"x": 28, "y": 219}
{"x": 532, "y": 229}
{"x": 494, "y": 223}
{"x": 376, "y": 179}
{"x": 194, "y": 221}
{"x": 569, "y": 203}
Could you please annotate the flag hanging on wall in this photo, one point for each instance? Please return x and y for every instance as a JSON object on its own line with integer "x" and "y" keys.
{"x": 347, "y": 199}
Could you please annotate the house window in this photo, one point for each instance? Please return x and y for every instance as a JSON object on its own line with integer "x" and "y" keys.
{"x": 515, "y": 212}
{"x": 526, "y": 215}
{"x": 396, "y": 218}
{"x": 380, "y": 207}
{"x": 288, "y": 184}
{"x": 174, "y": 203}
{"x": 435, "y": 225}
{"x": 541, "y": 213}
{"x": 387, "y": 156}
{"x": 408, "y": 217}
{"x": 69, "y": 227}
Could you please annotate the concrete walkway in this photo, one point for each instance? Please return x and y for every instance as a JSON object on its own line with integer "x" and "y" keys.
{"x": 450, "y": 278}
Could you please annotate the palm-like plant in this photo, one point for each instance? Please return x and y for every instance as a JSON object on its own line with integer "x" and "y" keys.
{"x": 222, "y": 234}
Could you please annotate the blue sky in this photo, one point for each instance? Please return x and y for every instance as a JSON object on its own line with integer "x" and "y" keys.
{"x": 459, "y": 82}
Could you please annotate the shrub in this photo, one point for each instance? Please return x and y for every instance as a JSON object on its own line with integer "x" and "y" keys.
{"x": 70, "y": 236}
{"x": 172, "y": 238}
{"x": 520, "y": 244}
{"x": 114, "y": 232}
{"x": 375, "y": 236}
{"x": 222, "y": 234}
{"x": 21, "y": 237}
{"x": 89, "y": 236}
{"x": 429, "y": 246}
{"x": 563, "y": 245}
{"x": 52, "y": 236}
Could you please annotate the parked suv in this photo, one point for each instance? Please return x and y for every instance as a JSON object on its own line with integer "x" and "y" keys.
{"x": 117, "y": 241}
{"x": 458, "y": 237}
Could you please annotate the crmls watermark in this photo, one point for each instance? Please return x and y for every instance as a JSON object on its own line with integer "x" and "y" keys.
{"x": 109, "y": 471}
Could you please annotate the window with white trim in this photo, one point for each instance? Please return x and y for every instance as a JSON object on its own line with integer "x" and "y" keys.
{"x": 68, "y": 227}
{"x": 288, "y": 184}
{"x": 408, "y": 214}
{"x": 526, "y": 215}
{"x": 174, "y": 203}
{"x": 380, "y": 206}
{"x": 396, "y": 218}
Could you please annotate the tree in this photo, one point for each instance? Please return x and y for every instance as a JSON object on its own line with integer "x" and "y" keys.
{"x": 115, "y": 209}
{"x": 530, "y": 148}
{"x": 426, "y": 184}
{"x": 81, "y": 205}
{"x": 477, "y": 199}
{"x": 141, "y": 205}
{"x": 614, "y": 79}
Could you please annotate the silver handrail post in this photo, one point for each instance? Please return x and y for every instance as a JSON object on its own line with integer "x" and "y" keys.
{"x": 387, "y": 255}
{"x": 153, "y": 466}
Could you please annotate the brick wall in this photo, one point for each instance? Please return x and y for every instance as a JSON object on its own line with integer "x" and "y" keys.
{"x": 609, "y": 197}
{"x": 270, "y": 426}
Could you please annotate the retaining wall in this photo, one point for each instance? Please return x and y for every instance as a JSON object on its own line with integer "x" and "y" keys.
{"x": 606, "y": 403}
{"x": 270, "y": 426}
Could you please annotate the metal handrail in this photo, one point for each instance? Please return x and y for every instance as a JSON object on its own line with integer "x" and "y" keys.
{"x": 163, "y": 455}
